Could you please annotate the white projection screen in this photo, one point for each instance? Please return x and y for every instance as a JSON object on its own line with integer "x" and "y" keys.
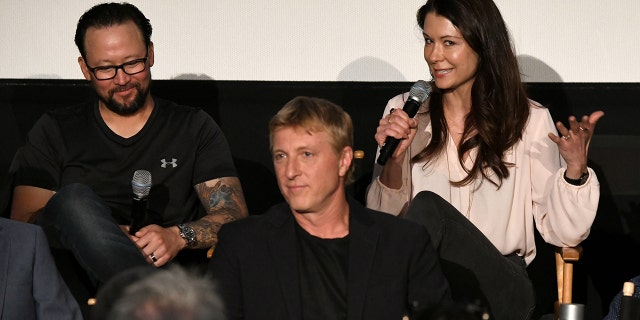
{"x": 314, "y": 40}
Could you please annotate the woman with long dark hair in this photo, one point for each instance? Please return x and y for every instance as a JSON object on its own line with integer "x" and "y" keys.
{"x": 480, "y": 165}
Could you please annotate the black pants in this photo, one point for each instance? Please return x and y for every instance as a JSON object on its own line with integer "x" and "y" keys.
{"x": 477, "y": 272}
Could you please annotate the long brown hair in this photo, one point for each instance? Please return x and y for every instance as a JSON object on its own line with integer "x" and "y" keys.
{"x": 500, "y": 107}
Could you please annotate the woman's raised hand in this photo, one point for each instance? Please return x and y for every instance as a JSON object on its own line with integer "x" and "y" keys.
{"x": 573, "y": 142}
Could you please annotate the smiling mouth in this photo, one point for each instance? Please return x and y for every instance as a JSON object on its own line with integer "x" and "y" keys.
{"x": 442, "y": 71}
{"x": 124, "y": 89}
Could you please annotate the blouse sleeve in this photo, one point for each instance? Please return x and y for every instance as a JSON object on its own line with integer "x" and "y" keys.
{"x": 381, "y": 197}
{"x": 563, "y": 212}
{"x": 385, "y": 199}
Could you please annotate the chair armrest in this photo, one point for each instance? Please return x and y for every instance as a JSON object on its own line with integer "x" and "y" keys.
{"x": 565, "y": 258}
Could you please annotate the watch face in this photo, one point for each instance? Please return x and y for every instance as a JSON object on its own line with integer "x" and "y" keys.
{"x": 191, "y": 234}
{"x": 188, "y": 234}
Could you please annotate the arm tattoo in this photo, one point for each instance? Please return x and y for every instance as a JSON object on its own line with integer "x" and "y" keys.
{"x": 224, "y": 201}
{"x": 221, "y": 196}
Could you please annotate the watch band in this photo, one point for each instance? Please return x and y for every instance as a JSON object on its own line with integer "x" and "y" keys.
{"x": 187, "y": 233}
{"x": 577, "y": 182}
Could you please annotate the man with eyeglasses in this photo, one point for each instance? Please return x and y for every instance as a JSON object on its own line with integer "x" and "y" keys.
{"x": 74, "y": 175}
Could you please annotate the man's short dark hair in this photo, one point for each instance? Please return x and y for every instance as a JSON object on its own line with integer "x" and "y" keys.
{"x": 109, "y": 14}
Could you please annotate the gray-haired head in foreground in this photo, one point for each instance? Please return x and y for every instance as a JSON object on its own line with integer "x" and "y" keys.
{"x": 169, "y": 294}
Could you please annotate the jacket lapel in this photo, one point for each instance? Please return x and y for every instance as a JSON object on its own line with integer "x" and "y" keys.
{"x": 363, "y": 239}
{"x": 282, "y": 247}
{"x": 5, "y": 246}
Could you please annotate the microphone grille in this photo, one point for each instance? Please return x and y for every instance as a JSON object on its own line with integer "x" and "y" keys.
{"x": 141, "y": 183}
{"x": 420, "y": 91}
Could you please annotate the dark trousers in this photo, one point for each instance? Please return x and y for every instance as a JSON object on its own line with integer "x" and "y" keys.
{"x": 477, "y": 272}
{"x": 76, "y": 219}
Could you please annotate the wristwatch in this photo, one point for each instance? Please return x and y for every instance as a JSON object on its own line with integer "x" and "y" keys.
{"x": 577, "y": 182}
{"x": 187, "y": 233}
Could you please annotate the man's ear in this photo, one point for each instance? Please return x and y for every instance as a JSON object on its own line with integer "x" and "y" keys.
{"x": 150, "y": 59}
{"x": 345, "y": 160}
{"x": 84, "y": 68}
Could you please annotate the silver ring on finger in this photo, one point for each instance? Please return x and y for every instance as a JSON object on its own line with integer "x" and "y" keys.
{"x": 566, "y": 137}
{"x": 583, "y": 129}
{"x": 153, "y": 258}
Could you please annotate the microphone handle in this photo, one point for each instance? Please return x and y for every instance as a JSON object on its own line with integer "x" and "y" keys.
{"x": 390, "y": 144}
{"x": 138, "y": 214}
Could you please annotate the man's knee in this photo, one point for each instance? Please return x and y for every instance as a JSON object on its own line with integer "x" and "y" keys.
{"x": 68, "y": 203}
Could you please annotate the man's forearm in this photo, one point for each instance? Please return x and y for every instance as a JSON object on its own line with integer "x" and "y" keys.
{"x": 206, "y": 229}
{"x": 225, "y": 202}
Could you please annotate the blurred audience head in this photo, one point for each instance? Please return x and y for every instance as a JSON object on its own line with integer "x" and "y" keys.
{"x": 171, "y": 293}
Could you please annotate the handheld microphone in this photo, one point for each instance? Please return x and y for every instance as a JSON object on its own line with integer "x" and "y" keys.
{"x": 141, "y": 185}
{"x": 419, "y": 92}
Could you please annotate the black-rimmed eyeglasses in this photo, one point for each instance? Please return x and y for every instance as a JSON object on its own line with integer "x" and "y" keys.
{"x": 109, "y": 72}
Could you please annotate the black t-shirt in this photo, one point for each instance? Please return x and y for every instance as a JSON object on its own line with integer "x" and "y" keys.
{"x": 323, "y": 267}
{"x": 180, "y": 146}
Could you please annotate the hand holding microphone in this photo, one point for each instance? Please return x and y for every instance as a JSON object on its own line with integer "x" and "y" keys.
{"x": 418, "y": 93}
{"x": 156, "y": 244}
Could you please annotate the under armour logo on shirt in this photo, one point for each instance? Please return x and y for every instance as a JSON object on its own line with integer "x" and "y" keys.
{"x": 173, "y": 163}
